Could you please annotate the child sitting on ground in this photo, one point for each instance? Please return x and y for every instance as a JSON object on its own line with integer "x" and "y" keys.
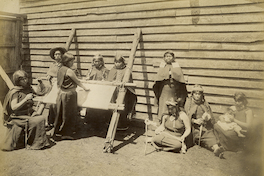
{"x": 226, "y": 123}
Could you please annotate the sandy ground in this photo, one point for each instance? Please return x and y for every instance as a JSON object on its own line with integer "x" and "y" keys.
{"x": 85, "y": 156}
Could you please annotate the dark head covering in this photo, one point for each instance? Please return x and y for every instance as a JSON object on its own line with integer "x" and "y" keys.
{"x": 53, "y": 50}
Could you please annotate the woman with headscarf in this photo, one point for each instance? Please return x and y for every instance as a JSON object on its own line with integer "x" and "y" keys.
{"x": 17, "y": 108}
{"x": 169, "y": 82}
{"x": 201, "y": 116}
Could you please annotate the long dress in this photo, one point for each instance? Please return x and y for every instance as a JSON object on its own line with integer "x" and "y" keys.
{"x": 52, "y": 72}
{"x": 130, "y": 97}
{"x": 14, "y": 138}
{"x": 176, "y": 128}
{"x": 66, "y": 103}
{"x": 169, "y": 82}
{"x": 229, "y": 139}
{"x": 195, "y": 110}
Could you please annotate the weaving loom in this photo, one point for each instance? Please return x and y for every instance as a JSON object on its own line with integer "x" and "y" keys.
{"x": 98, "y": 97}
{"x": 101, "y": 93}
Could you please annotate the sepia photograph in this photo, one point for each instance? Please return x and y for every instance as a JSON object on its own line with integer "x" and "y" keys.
{"x": 131, "y": 87}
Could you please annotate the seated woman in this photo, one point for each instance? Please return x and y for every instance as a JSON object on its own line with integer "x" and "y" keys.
{"x": 66, "y": 101}
{"x": 98, "y": 71}
{"x": 243, "y": 116}
{"x": 17, "y": 108}
{"x": 175, "y": 127}
{"x": 200, "y": 114}
{"x": 169, "y": 82}
{"x": 116, "y": 74}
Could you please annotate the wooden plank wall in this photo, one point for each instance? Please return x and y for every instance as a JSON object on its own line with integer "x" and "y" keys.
{"x": 218, "y": 44}
{"x": 10, "y": 46}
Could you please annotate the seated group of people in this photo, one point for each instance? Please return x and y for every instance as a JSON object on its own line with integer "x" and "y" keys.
{"x": 187, "y": 120}
{"x": 179, "y": 117}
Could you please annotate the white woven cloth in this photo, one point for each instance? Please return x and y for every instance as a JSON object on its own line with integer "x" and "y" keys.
{"x": 98, "y": 97}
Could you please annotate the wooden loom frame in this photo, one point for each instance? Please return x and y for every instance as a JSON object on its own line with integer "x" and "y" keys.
{"x": 119, "y": 106}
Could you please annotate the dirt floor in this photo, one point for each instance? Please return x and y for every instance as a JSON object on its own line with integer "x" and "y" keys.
{"x": 84, "y": 156}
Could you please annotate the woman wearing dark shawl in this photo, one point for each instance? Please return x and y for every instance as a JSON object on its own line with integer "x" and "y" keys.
{"x": 17, "y": 108}
{"x": 116, "y": 74}
{"x": 201, "y": 116}
{"x": 169, "y": 82}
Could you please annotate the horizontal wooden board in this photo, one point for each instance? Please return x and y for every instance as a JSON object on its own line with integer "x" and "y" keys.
{"x": 42, "y": 43}
{"x": 80, "y": 3}
{"x": 251, "y": 84}
{"x": 33, "y": 3}
{"x": 39, "y": 7}
{"x": 170, "y": 11}
{"x": 156, "y": 6}
{"x": 218, "y": 19}
{"x": 106, "y": 17}
{"x": 258, "y": 27}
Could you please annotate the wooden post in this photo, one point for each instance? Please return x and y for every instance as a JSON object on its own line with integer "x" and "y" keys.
{"x": 69, "y": 41}
{"x": 108, "y": 147}
{"x": 5, "y": 77}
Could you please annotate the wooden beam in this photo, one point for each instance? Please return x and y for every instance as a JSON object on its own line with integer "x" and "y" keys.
{"x": 6, "y": 78}
{"x": 69, "y": 41}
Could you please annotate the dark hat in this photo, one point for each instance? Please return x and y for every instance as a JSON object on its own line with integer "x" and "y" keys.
{"x": 53, "y": 50}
